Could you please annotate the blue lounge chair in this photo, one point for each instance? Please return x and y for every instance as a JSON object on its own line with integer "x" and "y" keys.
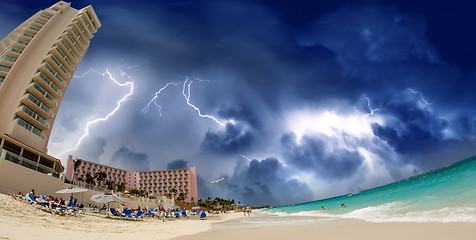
{"x": 114, "y": 212}
{"x": 33, "y": 200}
{"x": 138, "y": 215}
{"x": 203, "y": 215}
{"x": 184, "y": 213}
{"x": 127, "y": 213}
{"x": 150, "y": 213}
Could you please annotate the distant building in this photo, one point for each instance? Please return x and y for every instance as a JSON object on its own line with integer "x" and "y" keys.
{"x": 156, "y": 183}
{"x": 37, "y": 62}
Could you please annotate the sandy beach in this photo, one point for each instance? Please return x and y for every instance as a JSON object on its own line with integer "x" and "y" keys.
{"x": 18, "y": 220}
{"x": 21, "y": 221}
{"x": 255, "y": 228}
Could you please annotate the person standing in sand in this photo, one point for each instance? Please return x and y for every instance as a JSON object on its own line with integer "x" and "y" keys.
{"x": 244, "y": 211}
{"x": 248, "y": 211}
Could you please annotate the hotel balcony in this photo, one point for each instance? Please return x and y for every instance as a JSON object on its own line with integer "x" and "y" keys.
{"x": 52, "y": 75}
{"x": 83, "y": 25}
{"x": 32, "y": 117}
{"x": 70, "y": 43}
{"x": 47, "y": 84}
{"x": 59, "y": 53}
{"x": 37, "y": 24}
{"x": 58, "y": 67}
{"x": 40, "y": 93}
{"x": 36, "y": 105}
{"x": 64, "y": 48}
{"x": 28, "y": 126}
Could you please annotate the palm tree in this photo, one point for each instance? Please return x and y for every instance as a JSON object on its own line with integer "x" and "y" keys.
{"x": 121, "y": 186}
{"x": 77, "y": 162}
{"x": 134, "y": 191}
{"x": 110, "y": 184}
{"x": 143, "y": 193}
{"x": 173, "y": 191}
{"x": 100, "y": 175}
{"x": 89, "y": 178}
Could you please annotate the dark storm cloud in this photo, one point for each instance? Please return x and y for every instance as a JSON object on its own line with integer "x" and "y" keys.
{"x": 319, "y": 155}
{"x": 232, "y": 140}
{"x": 177, "y": 164}
{"x": 414, "y": 128}
{"x": 415, "y": 132}
{"x": 125, "y": 158}
{"x": 264, "y": 182}
{"x": 258, "y": 69}
{"x": 241, "y": 113}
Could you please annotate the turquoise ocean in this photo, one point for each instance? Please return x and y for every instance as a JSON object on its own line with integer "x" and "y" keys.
{"x": 443, "y": 195}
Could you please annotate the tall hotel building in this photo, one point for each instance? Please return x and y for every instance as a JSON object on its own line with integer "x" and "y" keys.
{"x": 155, "y": 183}
{"x": 37, "y": 61}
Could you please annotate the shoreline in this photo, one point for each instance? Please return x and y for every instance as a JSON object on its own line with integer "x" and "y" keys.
{"x": 333, "y": 228}
{"x": 18, "y": 220}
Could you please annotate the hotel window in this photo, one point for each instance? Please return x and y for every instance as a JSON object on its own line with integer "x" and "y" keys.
{"x": 59, "y": 64}
{"x": 66, "y": 45}
{"x": 10, "y": 59}
{"x": 4, "y": 68}
{"x": 33, "y": 28}
{"x": 33, "y": 114}
{"x": 22, "y": 42}
{"x": 28, "y": 35}
{"x": 42, "y": 91}
{"x": 16, "y": 50}
{"x": 64, "y": 56}
{"x": 28, "y": 126}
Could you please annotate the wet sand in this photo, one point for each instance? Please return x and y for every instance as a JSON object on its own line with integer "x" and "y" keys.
{"x": 329, "y": 229}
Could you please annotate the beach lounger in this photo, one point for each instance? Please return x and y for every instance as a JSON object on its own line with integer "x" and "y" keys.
{"x": 127, "y": 213}
{"x": 150, "y": 213}
{"x": 32, "y": 200}
{"x": 203, "y": 215}
{"x": 138, "y": 215}
{"x": 184, "y": 213}
{"x": 114, "y": 212}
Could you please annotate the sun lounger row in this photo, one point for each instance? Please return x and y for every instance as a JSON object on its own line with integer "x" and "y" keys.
{"x": 127, "y": 214}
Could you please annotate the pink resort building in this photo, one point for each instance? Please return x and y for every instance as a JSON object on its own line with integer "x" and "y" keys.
{"x": 155, "y": 183}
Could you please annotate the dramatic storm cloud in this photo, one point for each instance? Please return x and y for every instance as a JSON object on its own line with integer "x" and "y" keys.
{"x": 290, "y": 102}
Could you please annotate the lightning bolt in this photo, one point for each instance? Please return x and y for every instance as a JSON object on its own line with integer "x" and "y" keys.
{"x": 421, "y": 96}
{"x": 186, "y": 92}
{"x": 372, "y": 110}
{"x": 154, "y": 99}
{"x": 129, "y": 84}
{"x": 187, "y": 97}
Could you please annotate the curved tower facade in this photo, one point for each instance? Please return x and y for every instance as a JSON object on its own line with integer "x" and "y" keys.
{"x": 37, "y": 62}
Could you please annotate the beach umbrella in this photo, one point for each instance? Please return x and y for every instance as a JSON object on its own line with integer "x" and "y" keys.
{"x": 72, "y": 189}
{"x": 106, "y": 198}
{"x": 196, "y": 207}
{"x": 171, "y": 206}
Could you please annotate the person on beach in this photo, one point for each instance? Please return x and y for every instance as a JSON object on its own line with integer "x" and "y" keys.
{"x": 322, "y": 208}
{"x": 33, "y": 192}
{"x": 244, "y": 211}
{"x": 343, "y": 205}
{"x": 248, "y": 211}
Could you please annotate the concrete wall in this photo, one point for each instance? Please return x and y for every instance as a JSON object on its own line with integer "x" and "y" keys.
{"x": 15, "y": 178}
